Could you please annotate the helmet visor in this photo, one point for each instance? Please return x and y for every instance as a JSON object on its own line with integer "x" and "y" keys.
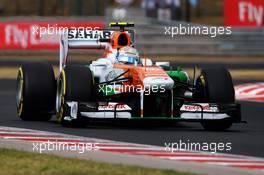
{"x": 128, "y": 59}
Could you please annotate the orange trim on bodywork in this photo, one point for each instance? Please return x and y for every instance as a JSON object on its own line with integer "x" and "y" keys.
{"x": 140, "y": 73}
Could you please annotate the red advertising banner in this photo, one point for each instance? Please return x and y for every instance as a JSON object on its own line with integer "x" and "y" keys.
{"x": 243, "y": 13}
{"x": 37, "y": 35}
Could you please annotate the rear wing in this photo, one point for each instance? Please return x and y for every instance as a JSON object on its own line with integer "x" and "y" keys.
{"x": 86, "y": 39}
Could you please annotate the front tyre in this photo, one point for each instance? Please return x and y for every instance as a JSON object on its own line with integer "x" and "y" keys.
{"x": 215, "y": 86}
{"x": 36, "y": 89}
{"x": 75, "y": 83}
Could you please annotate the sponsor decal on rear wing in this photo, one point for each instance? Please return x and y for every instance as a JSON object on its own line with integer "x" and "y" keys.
{"x": 94, "y": 34}
{"x": 90, "y": 34}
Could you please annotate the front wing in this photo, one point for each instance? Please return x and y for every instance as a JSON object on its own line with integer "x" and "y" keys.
{"x": 196, "y": 112}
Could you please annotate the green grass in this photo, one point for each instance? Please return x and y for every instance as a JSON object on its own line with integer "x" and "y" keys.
{"x": 13, "y": 162}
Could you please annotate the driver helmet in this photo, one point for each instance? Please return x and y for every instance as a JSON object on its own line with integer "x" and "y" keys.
{"x": 128, "y": 55}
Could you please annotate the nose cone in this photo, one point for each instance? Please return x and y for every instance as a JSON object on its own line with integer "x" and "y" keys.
{"x": 158, "y": 82}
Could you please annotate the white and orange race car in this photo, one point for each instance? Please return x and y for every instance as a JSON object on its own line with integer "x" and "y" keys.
{"x": 122, "y": 86}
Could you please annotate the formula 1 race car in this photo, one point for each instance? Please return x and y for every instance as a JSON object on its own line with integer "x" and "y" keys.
{"x": 122, "y": 86}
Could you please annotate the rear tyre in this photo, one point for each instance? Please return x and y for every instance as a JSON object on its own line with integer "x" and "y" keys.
{"x": 36, "y": 89}
{"x": 75, "y": 83}
{"x": 215, "y": 86}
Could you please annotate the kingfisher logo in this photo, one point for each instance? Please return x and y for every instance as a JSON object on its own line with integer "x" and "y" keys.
{"x": 114, "y": 106}
{"x": 193, "y": 108}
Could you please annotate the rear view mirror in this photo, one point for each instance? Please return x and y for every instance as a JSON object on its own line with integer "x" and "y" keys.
{"x": 146, "y": 62}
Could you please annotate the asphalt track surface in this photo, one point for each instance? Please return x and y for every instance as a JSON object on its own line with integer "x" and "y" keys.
{"x": 246, "y": 139}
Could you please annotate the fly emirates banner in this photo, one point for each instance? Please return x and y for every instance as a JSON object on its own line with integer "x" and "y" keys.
{"x": 244, "y": 13}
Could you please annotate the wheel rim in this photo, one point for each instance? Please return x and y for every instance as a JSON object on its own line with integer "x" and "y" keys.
{"x": 59, "y": 95}
{"x": 19, "y": 93}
